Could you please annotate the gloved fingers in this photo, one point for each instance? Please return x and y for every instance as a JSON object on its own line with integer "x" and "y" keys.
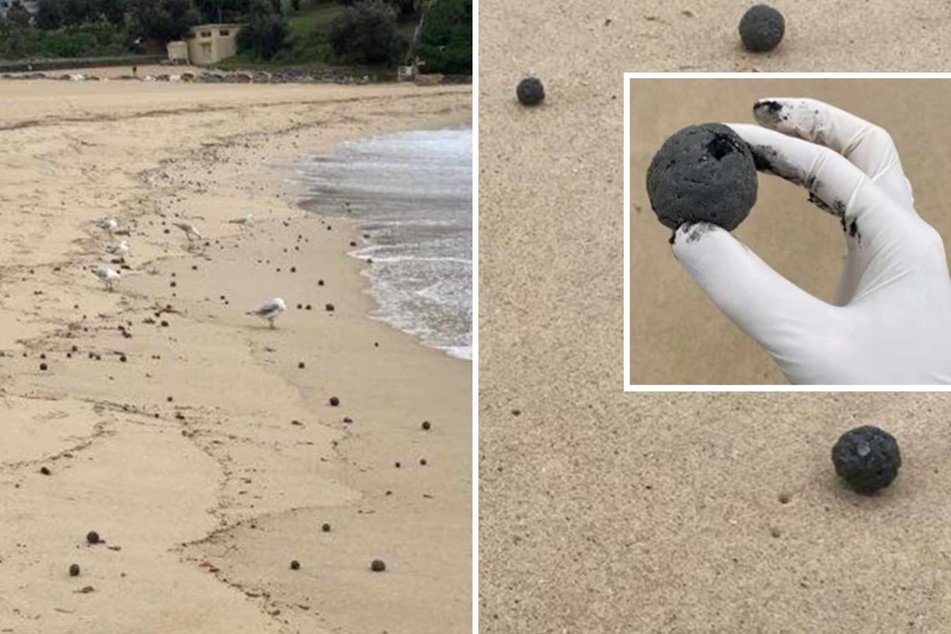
{"x": 865, "y": 145}
{"x": 776, "y": 313}
{"x": 837, "y": 185}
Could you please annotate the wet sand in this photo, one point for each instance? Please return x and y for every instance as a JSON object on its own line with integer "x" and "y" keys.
{"x": 199, "y": 443}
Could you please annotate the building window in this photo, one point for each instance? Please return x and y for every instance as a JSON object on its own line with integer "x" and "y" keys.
{"x": 223, "y": 32}
{"x": 206, "y": 33}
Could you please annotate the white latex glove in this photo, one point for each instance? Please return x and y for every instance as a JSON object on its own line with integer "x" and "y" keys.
{"x": 891, "y": 320}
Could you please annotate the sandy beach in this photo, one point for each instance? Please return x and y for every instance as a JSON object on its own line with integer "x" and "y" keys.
{"x": 201, "y": 445}
{"x": 604, "y": 511}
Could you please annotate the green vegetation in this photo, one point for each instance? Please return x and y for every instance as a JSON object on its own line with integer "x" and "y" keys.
{"x": 363, "y": 35}
{"x": 445, "y": 40}
{"x": 366, "y": 33}
{"x": 265, "y": 29}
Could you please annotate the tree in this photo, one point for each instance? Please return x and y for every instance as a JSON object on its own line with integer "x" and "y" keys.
{"x": 15, "y": 31}
{"x": 445, "y": 39}
{"x": 49, "y": 14}
{"x": 18, "y": 16}
{"x": 266, "y": 30}
{"x": 404, "y": 8}
{"x": 162, "y": 20}
{"x": 222, "y": 10}
{"x": 366, "y": 33}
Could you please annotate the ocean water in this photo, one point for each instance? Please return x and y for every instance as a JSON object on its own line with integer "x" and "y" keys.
{"x": 411, "y": 193}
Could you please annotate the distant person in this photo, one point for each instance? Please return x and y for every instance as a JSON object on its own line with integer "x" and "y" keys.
{"x": 135, "y": 71}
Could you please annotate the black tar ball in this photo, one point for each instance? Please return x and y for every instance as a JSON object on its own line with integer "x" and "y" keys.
{"x": 334, "y": 401}
{"x": 703, "y": 173}
{"x": 92, "y": 537}
{"x": 867, "y": 458}
{"x": 325, "y": 528}
{"x": 426, "y": 425}
{"x": 378, "y": 565}
{"x": 295, "y": 565}
{"x": 530, "y": 91}
{"x": 762, "y": 28}
{"x": 74, "y": 570}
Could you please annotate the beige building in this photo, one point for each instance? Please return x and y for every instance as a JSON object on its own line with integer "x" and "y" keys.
{"x": 177, "y": 52}
{"x": 211, "y": 43}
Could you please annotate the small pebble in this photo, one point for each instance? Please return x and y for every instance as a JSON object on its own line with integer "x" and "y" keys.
{"x": 426, "y": 425}
{"x": 334, "y": 401}
{"x": 378, "y": 565}
{"x": 74, "y": 570}
{"x": 325, "y": 528}
{"x": 92, "y": 537}
{"x": 45, "y": 470}
{"x": 422, "y": 461}
{"x": 300, "y": 365}
{"x": 295, "y": 565}
{"x": 329, "y": 308}
{"x": 44, "y": 367}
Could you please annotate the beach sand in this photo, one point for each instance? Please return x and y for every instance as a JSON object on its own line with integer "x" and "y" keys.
{"x": 678, "y": 336}
{"x": 571, "y": 538}
{"x": 192, "y": 439}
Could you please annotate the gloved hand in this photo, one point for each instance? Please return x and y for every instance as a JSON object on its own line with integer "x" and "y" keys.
{"x": 891, "y": 318}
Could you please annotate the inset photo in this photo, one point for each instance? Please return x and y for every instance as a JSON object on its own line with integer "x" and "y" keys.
{"x": 787, "y": 231}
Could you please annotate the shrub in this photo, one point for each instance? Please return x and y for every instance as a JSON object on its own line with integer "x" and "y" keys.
{"x": 445, "y": 40}
{"x": 366, "y": 33}
{"x": 162, "y": 20}
{"x": 265, "y": 33}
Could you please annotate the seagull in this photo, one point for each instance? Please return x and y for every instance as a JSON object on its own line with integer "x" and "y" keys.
{"x": 120, "y": 249}
{"x": 108, "y": 224}
{"x": 245, "y": 220}
{"x": 108, "y": 276}
{"x": 270, "y": 310}
{"x": 190, "y": 231}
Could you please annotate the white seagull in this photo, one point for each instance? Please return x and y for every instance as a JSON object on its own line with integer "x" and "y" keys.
{"x": 108, "y": 276}
{"x": 190, "y": 231}
{"x": 120, "y": 248}
{"x": 270, "y": 310}
{"x": 108, "y": 224}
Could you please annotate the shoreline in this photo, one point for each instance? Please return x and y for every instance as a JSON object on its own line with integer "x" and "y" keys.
{"x": 222, "y": 455}
{"x": 308, "y": 200}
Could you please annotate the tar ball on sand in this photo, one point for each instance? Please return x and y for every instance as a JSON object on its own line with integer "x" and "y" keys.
{"x": 762, "y": 28}
{"x": 530, "y": 91}
{"x": 703, "y": 173}
{"x": 867, "y": 458}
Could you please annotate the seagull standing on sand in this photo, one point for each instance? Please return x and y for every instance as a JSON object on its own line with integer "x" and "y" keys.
{"x": 109, "y": 225}
{"x": 120, "y": 249}
{"x": 108, "y": 276}
{"x": 190, "y": 231}
{"x": 270, "y": 310}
